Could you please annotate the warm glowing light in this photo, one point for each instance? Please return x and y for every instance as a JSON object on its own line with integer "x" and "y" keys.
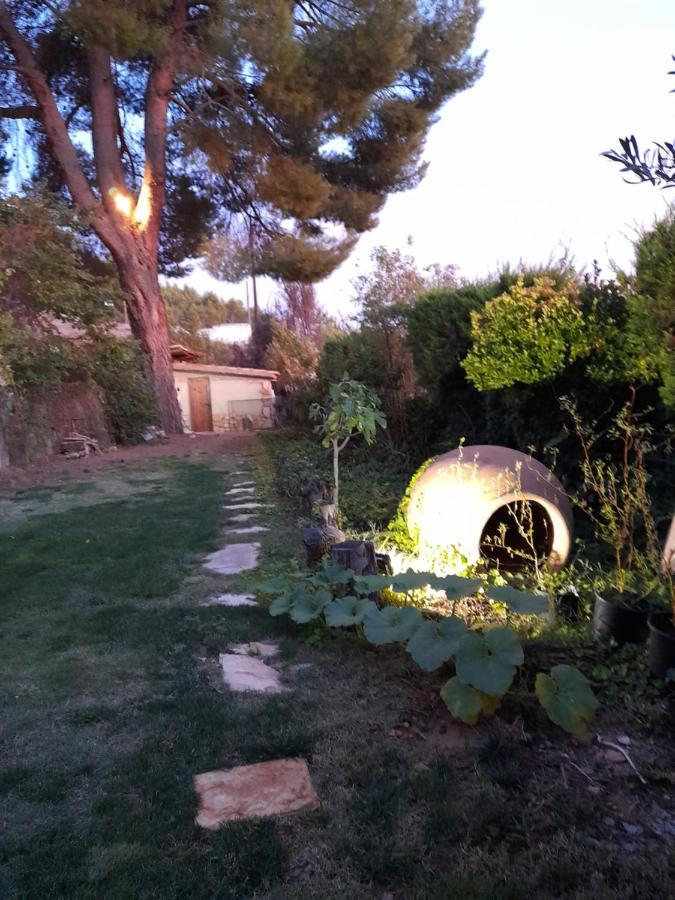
{"x": 123, "y": 202}
{"x": 460, "y": 499}
{"x": 143, "y": 206}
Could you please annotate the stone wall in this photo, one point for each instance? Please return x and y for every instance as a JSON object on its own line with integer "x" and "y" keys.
{"x": 33, "y": 424}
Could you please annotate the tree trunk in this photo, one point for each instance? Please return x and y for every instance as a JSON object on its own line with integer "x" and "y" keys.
{"x": 147, "y": 316}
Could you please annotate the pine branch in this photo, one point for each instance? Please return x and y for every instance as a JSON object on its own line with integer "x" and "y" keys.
{"x": 62, "y": 147}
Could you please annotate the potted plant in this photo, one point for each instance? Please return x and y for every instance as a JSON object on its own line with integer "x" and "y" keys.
{"x": 616, "y": 500}
{"x": 662, "y": 625}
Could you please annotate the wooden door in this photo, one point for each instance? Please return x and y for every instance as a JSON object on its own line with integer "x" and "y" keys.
{"x": 200, "y": 404}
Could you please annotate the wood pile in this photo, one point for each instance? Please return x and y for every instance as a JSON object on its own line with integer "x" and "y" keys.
{"x": 76, "y": 445}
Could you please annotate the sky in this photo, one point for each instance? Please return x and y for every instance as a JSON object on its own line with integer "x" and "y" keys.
{"x": 514, "y": 166}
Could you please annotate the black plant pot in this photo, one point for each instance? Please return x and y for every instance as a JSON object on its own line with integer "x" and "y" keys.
{"x": 568, "y": 606}
{"x": 617, "y": 620}
{"x": 661, "y": 644}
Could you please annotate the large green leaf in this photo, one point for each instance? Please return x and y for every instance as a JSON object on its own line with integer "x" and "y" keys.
{"x": 271, "y": 586}
{"x": 435, "y": 642}
{"x": 488, "y": 662}
{"x": 331, "y": 575}
{"x": 309, "y": 606}
{"x": 467, "y": 703}
{"x": 366, "y": 584}
{"x": 348, "y": 611}
{"x": 525, "y": 603}
{"x": 281, "y": 604}
{"x": 463, "y": 701}
{"x": 456, "y": 587}
{"x": 411, "y": 581}
{"x": 567, "y": 697}
{"x": 391, "y": 624}
{"x": 504, "y": 643}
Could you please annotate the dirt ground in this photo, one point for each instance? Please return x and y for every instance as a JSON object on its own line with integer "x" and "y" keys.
{"x": 58, "y": 469}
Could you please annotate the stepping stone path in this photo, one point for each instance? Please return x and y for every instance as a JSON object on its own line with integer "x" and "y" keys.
{"x": 272, "y": 788}
{"x": 252, "y": 529}
{"x": 265, "y": 789}
{"x": 249, "y": 673}
{"x": 231, "y": 600}
{"x": 256, "y": 648}
{"x": 233, "y": 558}
{"x": 250, "y": 505}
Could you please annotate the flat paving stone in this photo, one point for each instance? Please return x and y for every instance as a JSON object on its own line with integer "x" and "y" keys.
{"x": 251, "y": 529}
{"x": 242, "y": 517}
{"x": 233, "y": 558}
{"x": 250, "y": 505}
{"x": 240, "y": 490}
{"x": 242, "y": 672}
{"x": 244, "y": 484}
{"x": 265, "y": 789}
{"x": 231, "y": 600}
{"x": 256, "y": 648}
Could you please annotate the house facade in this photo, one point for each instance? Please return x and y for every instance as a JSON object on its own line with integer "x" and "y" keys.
{"x": 224, "y": 398}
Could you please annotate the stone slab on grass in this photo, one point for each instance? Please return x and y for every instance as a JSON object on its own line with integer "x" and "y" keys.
{"x": 265, "y": 789}
{"x": 251, "y": 529}
{"x": 256, "y": 648}
{"x": 241, "y": 490}
{"x": 242, "y": 517}
{"x": 249, "y": 505}
{"x": 241, "y": 484}
{"x": 233, "y": 558}
{"x": 249, "y": 673}
{"x": 231, "y": 600}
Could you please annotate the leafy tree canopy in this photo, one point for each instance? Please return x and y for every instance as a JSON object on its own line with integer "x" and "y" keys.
{"x": 294, "y": 115}
{"x": 393, "y": 284}
{"x": 291, "y": 354}
{"x": 46, "y": 278}
{"x": 188, "y": 311}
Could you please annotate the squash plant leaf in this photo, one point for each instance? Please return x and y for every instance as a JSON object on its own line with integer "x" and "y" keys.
{"x": 348, "y": 611}
{"x": 309, "y": 606}
{"x": 435, "y": 642}
{"x": 391, "y": 624}
{"x": 271, "y": 586}
{"x": 410, "y": 581}
{"x": 463, "y": 701}
{"x": 455, "y": 587}
{"x": 281, "y": 604}
{"x": 488, "y": 662}
{"x": 366, "y": 584}
{"x": 567, "y": 697}
{"x": 331, "y": 575}
{"x": 525, "y": 603}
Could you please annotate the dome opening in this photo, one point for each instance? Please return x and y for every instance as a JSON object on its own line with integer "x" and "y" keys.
{"x": 513, "y": 532}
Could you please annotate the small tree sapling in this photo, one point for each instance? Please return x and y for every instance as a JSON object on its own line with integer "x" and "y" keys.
{"x": 350, "y": 408}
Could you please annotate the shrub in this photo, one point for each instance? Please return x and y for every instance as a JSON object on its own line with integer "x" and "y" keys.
{"x": 130, "y": 403}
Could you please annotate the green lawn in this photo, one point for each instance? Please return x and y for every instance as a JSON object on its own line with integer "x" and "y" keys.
{"x": 110, "y": 703}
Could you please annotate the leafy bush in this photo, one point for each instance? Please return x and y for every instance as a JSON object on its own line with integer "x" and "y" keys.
{"x": 130, "y": 404}
{"x": 485, "y": 663}
{"x": 374, "y": 478}
{"x": 439, "y": 334}
{"x": 527, "y": 335}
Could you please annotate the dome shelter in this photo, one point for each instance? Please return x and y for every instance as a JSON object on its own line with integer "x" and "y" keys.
{"x": 478, "y": 500}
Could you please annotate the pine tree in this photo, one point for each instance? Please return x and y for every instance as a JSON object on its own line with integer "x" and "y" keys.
{"x": 289, "y": 122}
